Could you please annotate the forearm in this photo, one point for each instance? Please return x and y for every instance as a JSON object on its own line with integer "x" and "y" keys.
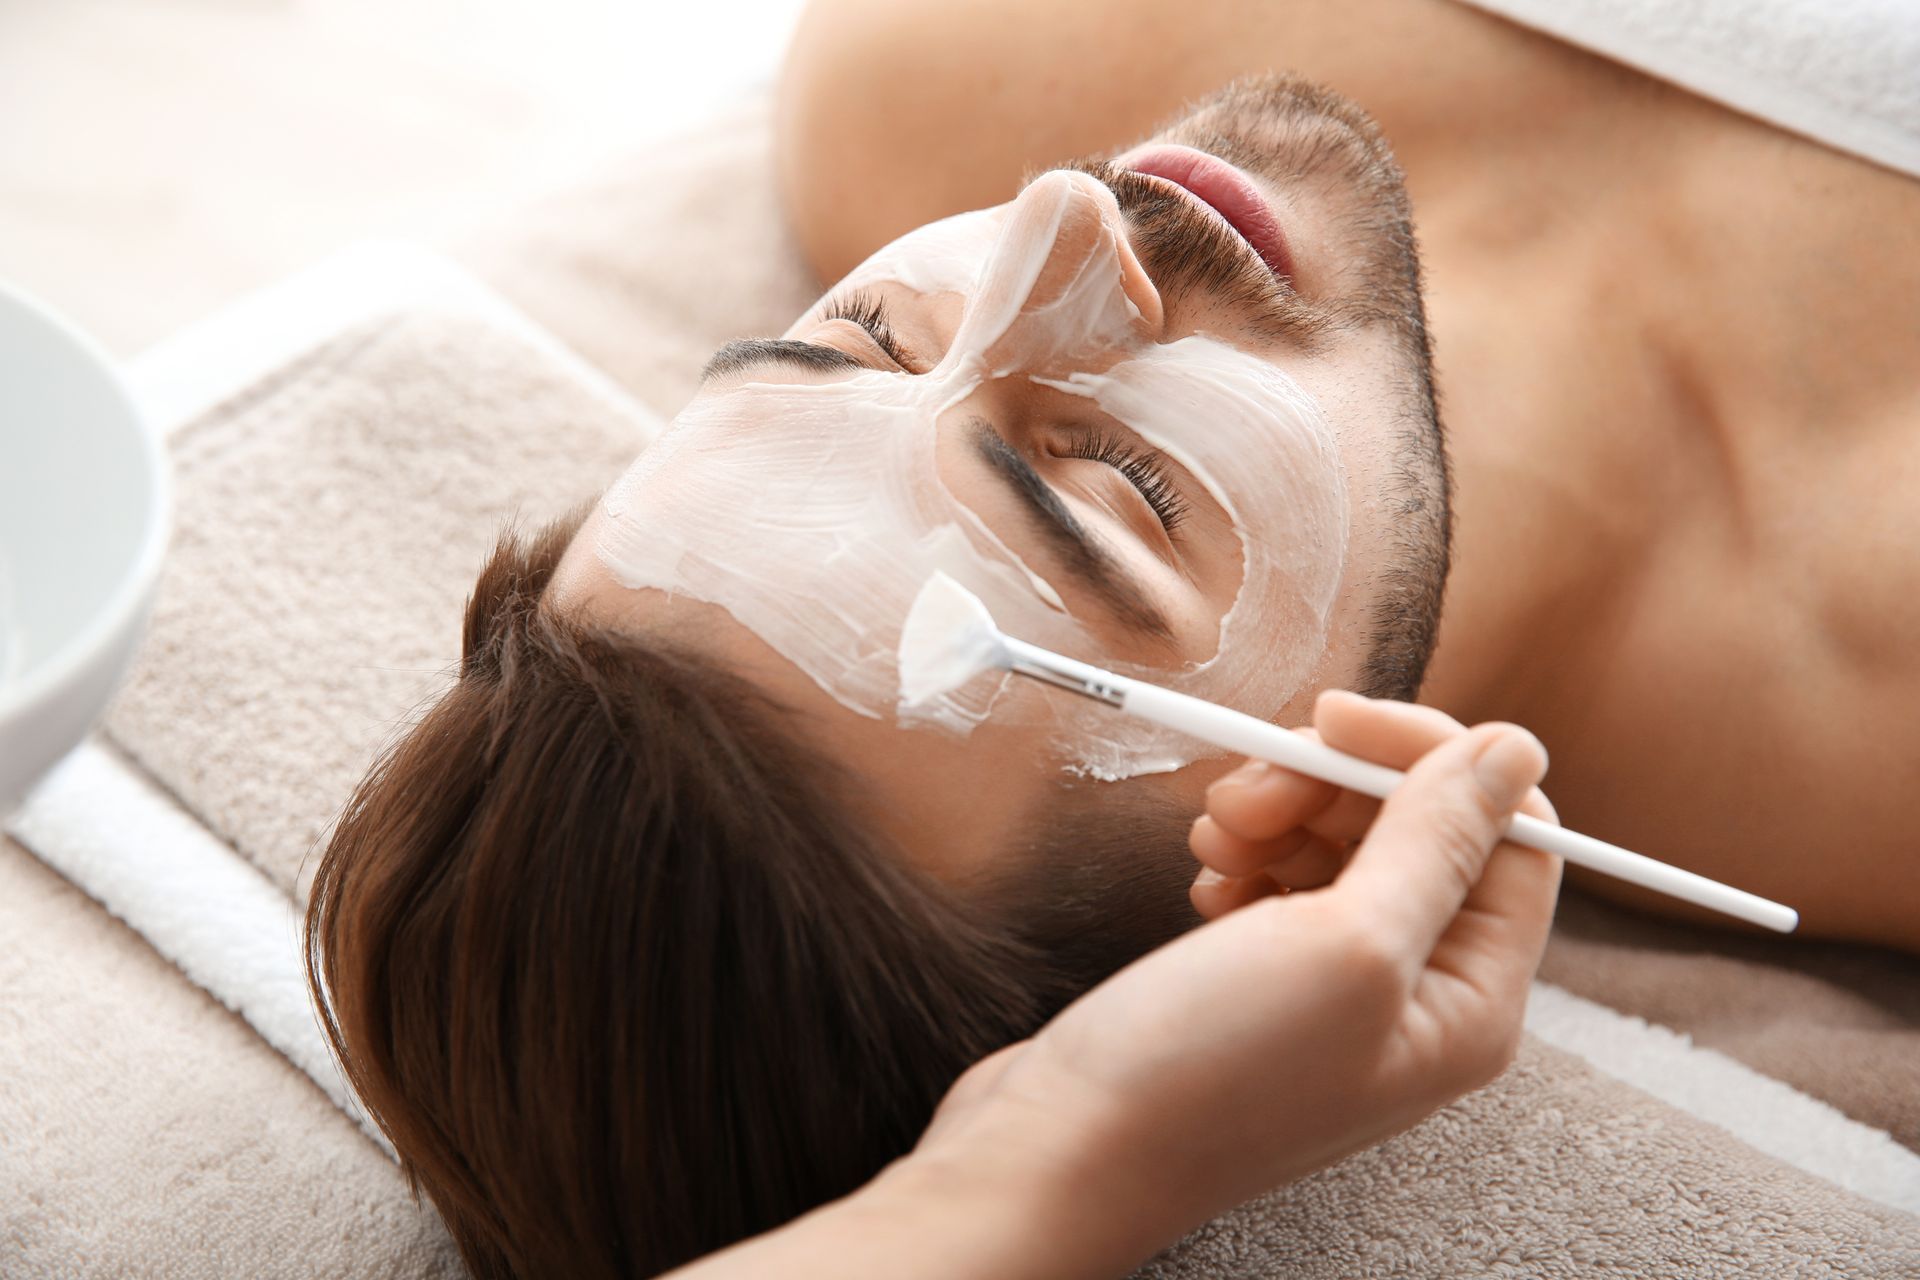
{"x": 1000, "y": 1209}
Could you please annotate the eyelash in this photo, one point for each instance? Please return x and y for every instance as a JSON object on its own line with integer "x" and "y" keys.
{"x": 1143, "y": 469}
{"x": 870, "y": 313}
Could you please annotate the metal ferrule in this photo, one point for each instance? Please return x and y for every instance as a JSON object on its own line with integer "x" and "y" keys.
{"x": 1098, "y": 690}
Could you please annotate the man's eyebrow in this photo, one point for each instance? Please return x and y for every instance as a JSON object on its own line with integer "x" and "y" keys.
{"x": 1083, "y": 552}
{"x": 743, "y": 354}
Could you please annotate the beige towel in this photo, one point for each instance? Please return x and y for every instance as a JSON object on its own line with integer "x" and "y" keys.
{"x": 1837, "y": 1021}
{"x": 328, "y": 529}
{"x": 1554, "y": 1171}
{"x": 145, "y": 1131}
{"x": 329, "y": 524}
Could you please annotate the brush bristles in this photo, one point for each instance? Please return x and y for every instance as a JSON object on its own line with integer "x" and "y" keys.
{"x": 949, "y": 638}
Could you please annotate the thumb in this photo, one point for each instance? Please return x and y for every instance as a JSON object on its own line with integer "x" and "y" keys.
{"x": 1431, "y": 842}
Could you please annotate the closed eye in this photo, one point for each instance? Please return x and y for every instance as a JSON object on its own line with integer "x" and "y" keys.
{"x": 1143, "y": 468}
{"x": 869, "y": 311}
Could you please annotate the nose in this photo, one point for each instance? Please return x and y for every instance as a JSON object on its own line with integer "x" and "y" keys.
{"x": 1062, "y": 278}
{"x": 1090, "y": 239}
{"x": 1135, "y": 283}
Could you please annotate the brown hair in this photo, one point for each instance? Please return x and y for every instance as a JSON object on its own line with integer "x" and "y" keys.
{"x": 605, "y": 959}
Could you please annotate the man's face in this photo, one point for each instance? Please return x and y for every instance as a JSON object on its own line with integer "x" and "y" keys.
{"x": 1159, "y": 412}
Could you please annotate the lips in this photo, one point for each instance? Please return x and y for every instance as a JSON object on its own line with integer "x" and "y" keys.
{"x": 1224, "y": 189}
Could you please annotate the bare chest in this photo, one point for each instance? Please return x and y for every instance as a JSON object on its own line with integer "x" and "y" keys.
{"x": 1727, "y": 681}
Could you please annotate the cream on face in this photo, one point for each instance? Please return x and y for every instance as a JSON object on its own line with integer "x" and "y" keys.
{"x": 814, "y": 512}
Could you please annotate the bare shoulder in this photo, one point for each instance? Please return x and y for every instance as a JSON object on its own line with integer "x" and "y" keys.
{"x": 892, "y": 115}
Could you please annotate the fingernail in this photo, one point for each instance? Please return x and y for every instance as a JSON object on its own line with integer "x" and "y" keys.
{"x": 1508, "y": 764}
{"x": 1245, "y": 776}
{"x": 1208, "y": 876}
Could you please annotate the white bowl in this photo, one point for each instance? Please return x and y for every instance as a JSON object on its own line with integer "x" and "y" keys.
{"x": 83, "y": 524}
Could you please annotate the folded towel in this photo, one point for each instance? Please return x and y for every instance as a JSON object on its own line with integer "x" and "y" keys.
{"x": 1838, "y": 71}
{"x": 332, "y": 526}
{"x": 1554, "y": 1171}
{"x": 145, "y": 1131}
{"x": 1835, "y": 1020}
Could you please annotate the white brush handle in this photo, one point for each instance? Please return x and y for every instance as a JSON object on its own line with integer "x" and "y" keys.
{"x": 1248, "y": 736}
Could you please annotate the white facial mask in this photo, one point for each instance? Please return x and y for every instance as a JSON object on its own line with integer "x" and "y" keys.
{"x": 814, "y": 513}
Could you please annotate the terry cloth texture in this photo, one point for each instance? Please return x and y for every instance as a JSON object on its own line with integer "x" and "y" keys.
{"x": 328, "y": 529}
{"x": 1837, "y": 1021}
{"x": 146, "y": 1131}
{"x": 290, "y": 642}
{"x": 1554, "y": 1171}
{"x": 1842, "y": 72}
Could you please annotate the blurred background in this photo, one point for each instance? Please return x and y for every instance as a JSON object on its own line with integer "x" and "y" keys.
{"x": 159, "y": 157}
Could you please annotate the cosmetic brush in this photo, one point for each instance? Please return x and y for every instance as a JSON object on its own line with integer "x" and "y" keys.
{"x": 950, "y": 638}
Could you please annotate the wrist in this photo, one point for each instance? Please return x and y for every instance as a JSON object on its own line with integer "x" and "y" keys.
{"x": 1053, "y": 1195}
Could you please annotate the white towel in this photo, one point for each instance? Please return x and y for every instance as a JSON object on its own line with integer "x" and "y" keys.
{"x": 1842, "y": 72}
